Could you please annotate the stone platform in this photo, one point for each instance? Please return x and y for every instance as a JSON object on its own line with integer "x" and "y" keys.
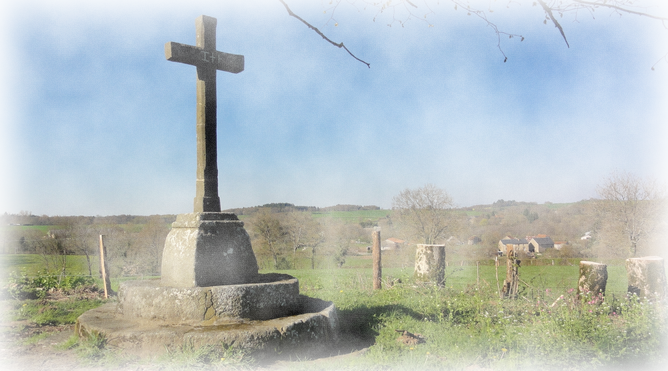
{"x": 149, "y": 319}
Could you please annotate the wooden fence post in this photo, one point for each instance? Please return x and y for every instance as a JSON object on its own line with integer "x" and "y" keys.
{"x": 510, "y": 285}
{"x": 377, "y": 267}
{"x": 106, "y": 282}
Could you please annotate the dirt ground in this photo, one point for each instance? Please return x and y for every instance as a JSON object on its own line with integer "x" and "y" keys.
{"x": 45, "y": 354}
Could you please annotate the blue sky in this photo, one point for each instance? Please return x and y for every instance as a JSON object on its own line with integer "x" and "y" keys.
{"x": 95, "y": 121}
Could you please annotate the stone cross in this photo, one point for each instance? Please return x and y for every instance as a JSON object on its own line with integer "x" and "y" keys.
{"x": 207, "y": 60}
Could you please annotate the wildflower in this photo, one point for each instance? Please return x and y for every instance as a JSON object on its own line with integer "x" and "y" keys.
{"x": 341, "y": 291}
{"x": 504, "y": 350}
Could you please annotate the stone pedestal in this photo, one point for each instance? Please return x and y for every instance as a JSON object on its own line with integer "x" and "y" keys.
{"x": 207, "y": 249}
{"x": 430, "y": 264}
{"x": 647, "y": 277}
{"x": 270, "y": 296}
{"x": 593, "y": 278}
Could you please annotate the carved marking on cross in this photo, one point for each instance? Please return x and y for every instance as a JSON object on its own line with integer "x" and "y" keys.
{"x": 207, "y": 60}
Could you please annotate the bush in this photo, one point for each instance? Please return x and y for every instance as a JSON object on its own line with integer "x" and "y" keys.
{"x": 21, "y": 286}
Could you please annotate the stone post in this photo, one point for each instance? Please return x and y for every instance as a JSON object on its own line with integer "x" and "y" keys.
{"x": 430, "y": 264}
{"x": 511, "y": 283}
{"x": 593, "y": 278}
{"x": 377, "y": 267}
{"x": 647, "y": 277}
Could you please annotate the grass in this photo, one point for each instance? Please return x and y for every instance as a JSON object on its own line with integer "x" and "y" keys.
{"x": 464, "y": 324}
{"x": 32, "y": 263}
{"x": 42, "y": 312}
{"x": 354, "y": 216}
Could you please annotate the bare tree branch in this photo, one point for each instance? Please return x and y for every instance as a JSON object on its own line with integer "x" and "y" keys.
{"x": 338, "y": 45}
{"x": 554, "y": 20}
{"x": 664, "y": 58}
{"x": 481, "y": 14}
{"x": 620, "y": 9}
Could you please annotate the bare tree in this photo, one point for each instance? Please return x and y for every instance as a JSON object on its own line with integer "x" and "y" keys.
{"x": 303, "y": 232}
{"x": 269, "y": 234}
{"x": 631, "y": 205}
{"x": 424, "y": 211}
{"x": 81, "y": 239}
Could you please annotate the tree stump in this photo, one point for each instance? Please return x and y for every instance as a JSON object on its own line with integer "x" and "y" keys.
{"x": 430, "y": 264}
{"x": 593, "y": 278}
{"x": 511, "y": 283}
{"x": 647, "y": 277}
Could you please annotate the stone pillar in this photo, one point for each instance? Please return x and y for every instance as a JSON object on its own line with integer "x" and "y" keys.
{"x": 647, "y": 277}
{"x": 430, "y": 264}
{"x": 593, "y": 278}
{"x": 377, "y": 267}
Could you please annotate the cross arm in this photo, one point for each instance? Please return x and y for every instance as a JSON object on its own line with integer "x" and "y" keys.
{"x": 188, "y": 54}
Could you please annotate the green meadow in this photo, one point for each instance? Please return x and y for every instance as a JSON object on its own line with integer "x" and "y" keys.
{"x": 463, "y": 325}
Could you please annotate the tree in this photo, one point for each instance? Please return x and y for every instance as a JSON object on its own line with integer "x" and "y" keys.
{"x": 270, "y": 234}
{"x": 303, "y": 232}
{"x": 424, "y": 211}
{"x": 631, "y": 206}
{"x": 403, "y": 11}
{"x": 81, "y": 239}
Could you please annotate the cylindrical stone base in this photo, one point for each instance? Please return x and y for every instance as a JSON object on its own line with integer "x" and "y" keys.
{"x": 430, "y": 264}
{"x": 593, "y": 278}
{"x": 647, "y": 277}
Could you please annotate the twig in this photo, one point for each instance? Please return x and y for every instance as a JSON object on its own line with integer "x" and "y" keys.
{"x": 665, "y": 58}
{"x": 338, "y": 45}
{"x": 620, "y": 9}
{"x": 483, "y": 16}
{"x": 554, "y": 20}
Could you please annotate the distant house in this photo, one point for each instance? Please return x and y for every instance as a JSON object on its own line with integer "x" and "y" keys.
{"x": 559, "y": 244}
{"x": 56, "y": 234}
{"x": 539, "y": 243}
{"x": 474, "y": 240}
{"x": 393, "y": 243}
{"x": 516, "y": 243}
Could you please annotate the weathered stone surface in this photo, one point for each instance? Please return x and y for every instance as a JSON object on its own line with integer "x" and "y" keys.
{"x": 646, "y": 277}
{"x": 593, "y": 278}
{"x": 207, "y": 249}
{"x": 430, "y": 264}
{"x": 315, "y": 327}
{"x": 270, "y": 296}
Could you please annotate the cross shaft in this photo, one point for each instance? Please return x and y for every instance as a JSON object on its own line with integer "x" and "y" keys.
{"x": 207, "y": 60}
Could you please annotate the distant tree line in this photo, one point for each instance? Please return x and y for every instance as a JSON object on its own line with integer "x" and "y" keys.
{"x": 628, "y": 219}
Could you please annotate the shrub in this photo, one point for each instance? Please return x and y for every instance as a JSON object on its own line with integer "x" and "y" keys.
{"x": 21, "y": 286}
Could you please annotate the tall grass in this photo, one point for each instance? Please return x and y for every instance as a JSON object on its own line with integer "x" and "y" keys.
{"x": 467, "y": 324}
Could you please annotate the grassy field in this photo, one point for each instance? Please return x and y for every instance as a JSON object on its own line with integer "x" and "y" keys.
{"x": 465, "y": 325}
{"x": 459, "y": 274}
{"x": 354, "y": 216}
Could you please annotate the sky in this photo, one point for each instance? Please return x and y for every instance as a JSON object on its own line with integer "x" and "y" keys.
{"x": 95, "y": 121}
